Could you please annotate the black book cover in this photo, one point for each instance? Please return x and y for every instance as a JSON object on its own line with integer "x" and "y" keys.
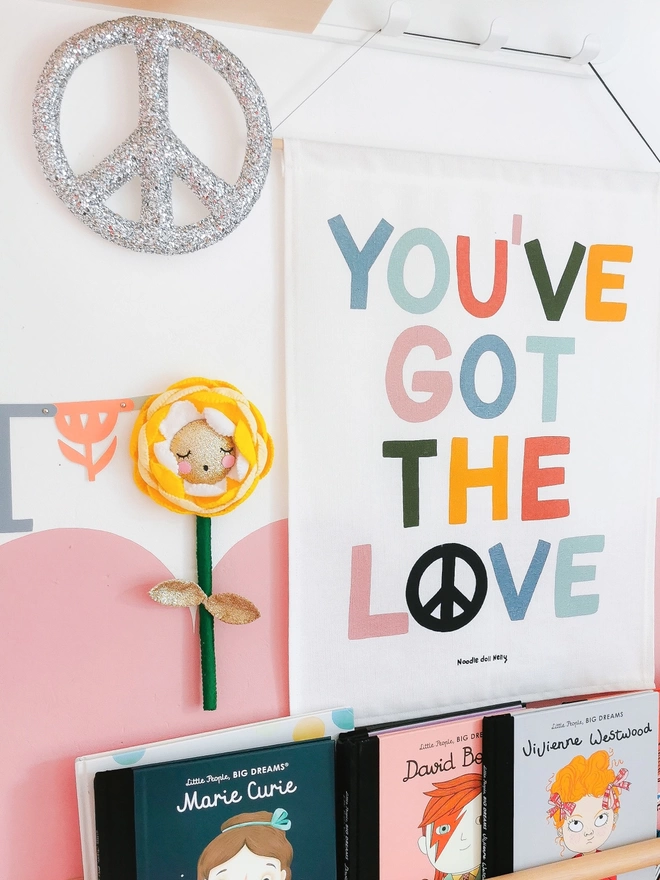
{"x": 497, "y": 802}
{"x": 348, "y": 774}
{"x": 115, "y": 825}
{"x": 368, "y": 808}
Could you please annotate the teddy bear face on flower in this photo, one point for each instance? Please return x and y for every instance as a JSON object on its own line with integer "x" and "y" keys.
{"x": 200, "y": 447}
{"x": 203, "y": 455}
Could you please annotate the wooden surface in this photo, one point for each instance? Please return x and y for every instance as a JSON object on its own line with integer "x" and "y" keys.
{"x": 596, "y": 866}
{"x": 287, "y": 15}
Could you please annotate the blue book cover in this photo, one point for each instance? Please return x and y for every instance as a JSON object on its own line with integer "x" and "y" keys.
{"x": 263, "y": 814}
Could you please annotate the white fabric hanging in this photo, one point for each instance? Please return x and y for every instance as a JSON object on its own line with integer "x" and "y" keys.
{"x": 448, "y": 315}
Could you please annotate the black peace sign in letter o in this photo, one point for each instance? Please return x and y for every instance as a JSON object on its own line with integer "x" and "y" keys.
{"x": 152, "y": 151}
{"x": 448, "y": 595}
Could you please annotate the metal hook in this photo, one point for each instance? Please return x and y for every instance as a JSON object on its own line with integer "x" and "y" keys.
{"x": 497, "y": 36}
{"x": 397, "y": 20}
{"x": 589, "y": 51}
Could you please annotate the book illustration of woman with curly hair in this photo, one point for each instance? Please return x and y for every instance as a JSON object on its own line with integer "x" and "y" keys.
{"x": 585, "y": 802}
{"x": 250, "y": 846}
{"x": 451, "y": 827}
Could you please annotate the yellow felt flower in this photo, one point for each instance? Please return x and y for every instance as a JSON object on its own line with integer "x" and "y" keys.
{"x": 200, "y": 447}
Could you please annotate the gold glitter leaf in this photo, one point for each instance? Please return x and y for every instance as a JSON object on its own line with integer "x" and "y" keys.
{"x": 231, "y": 608}
{"x": 183, "y": 594}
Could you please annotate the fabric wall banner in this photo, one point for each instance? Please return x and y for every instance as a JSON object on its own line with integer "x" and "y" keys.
{"x": 471, "y": 361}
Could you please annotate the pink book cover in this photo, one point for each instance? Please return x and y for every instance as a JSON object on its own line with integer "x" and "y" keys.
{"x": 430, "y": 802}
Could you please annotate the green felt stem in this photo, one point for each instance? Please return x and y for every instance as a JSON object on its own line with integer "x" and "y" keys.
{"x": 206, "y": 635}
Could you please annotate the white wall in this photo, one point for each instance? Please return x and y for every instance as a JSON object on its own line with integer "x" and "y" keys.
{"x": 88, "y": 320}
{"x": 83, "y": 319}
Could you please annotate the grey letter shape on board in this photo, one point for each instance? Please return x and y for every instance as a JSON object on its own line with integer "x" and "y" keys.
{"x": 11, "y": 411}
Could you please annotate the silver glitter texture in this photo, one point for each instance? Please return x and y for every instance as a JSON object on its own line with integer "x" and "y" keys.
{"x": 152, "y": 151}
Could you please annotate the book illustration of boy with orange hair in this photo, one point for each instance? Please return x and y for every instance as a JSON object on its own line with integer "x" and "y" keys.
{"x": 585, "y": 801}
{"x": 452, "y": 828}
{"x": 250, "y": 846}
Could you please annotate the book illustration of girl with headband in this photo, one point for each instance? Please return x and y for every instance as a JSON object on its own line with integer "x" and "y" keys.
{"x": 451, "y": 828}
{"x": 250, "y": 846}
{"x": 585, "y": 801}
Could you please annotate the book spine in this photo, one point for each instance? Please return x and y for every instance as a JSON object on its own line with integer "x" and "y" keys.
{"x": 115, "y": 826}
{"x": 497, "y": 802}
{"x": 343, "y": 805}
{"x": 347, "y": 772}
{"x": 368, "y": 806}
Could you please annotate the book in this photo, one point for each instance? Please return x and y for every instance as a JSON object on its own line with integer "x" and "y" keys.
{"x": 563, "y": 782}
{"x": 358, "y": 771}
{"x": 251, "y": 814}
{"x": 657, "y": 807}
{"x": 430, "y": 801}
{"x": 330, "y": 722}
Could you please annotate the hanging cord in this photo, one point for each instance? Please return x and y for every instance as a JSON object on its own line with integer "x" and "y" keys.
{"x": 611, "y": 94}
{"x": 321, "y": 84}
{"x": 370, "y": 38}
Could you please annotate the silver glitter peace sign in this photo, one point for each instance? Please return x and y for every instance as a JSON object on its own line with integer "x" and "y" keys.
{"x": 152, "y": 151}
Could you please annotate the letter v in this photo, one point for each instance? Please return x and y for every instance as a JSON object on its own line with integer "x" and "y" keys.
{"x": 516, "y": 602}
{"x": 553, "y": 302}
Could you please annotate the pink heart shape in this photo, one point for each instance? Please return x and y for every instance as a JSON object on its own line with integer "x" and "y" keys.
{"x": 88, "y": 662}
